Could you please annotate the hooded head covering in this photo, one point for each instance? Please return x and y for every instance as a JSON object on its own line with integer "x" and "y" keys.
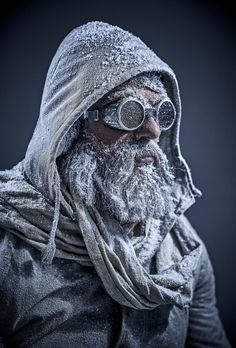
{"x": 92, "y": 60}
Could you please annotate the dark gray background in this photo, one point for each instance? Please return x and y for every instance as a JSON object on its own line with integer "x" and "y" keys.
{"x": 196, "y": 38}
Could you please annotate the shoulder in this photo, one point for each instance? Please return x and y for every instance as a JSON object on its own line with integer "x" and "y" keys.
{"x": 182, "y": 242}
{"x": 204, "y": 271}
{"x": 187, "y": 232}
{"x": 205, "y": 326}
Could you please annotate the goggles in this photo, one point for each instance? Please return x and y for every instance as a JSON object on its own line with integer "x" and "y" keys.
{"x": 129, "y": 114}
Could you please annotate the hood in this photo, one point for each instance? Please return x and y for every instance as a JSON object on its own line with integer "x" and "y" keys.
{"x": 93, "y": 59}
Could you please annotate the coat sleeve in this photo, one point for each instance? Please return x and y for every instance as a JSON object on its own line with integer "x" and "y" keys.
{"x": 205, "y": 327}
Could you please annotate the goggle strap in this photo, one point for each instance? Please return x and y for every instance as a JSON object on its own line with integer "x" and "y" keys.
{"x": 92, "y": 115}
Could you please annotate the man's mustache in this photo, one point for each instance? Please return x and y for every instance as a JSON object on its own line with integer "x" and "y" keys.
{"x": 130, "y": 150}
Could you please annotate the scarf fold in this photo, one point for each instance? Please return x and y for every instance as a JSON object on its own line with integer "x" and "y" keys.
{"x": 97, "y": 239}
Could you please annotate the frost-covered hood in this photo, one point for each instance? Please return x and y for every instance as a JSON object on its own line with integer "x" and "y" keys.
{"x": 93, "y": 59}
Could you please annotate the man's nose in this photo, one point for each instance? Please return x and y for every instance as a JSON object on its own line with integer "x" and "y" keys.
{"x": 148, "y": 131}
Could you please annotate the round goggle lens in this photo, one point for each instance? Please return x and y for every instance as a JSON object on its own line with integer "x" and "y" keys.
{"x": 166, "y": 114}
{"x": 131, "y": 114}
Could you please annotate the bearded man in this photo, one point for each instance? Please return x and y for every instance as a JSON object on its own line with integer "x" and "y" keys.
{"x": 95, "y": 248}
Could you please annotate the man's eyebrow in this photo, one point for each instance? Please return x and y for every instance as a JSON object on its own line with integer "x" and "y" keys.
{"x": 110, "y": 100}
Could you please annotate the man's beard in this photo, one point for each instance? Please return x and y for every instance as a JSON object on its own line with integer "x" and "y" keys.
{"x": 108, "y": 178}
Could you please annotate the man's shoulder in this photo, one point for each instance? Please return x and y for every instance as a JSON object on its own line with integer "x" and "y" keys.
{"x": 181, "y": 242}
{"x": 189, "y": 236}
{"x": 188, "y": 233}
{"x": 183, "y": 225}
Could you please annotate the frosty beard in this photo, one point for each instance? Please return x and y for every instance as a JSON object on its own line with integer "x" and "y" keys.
{"x": 107, "y": 177}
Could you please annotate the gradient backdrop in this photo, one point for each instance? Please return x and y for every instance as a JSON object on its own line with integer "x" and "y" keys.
{"x": 196, "y": 38}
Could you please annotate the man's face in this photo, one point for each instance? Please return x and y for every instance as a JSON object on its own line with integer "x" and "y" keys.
{"x": 149, "y": 129}
{"x": 123, "y": 172}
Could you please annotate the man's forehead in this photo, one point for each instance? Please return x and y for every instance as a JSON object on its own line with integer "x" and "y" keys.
{"x": 133, "y": 89}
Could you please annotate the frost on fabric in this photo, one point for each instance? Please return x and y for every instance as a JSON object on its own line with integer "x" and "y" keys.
{"x": 113, "y": 49}
{"x": 93, "y": 36}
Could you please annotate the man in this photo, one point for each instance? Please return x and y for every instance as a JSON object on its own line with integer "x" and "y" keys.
{"x": 95, "y": 249}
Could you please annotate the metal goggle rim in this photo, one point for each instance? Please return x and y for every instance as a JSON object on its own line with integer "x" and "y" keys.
{"x": 109, "y": 119}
